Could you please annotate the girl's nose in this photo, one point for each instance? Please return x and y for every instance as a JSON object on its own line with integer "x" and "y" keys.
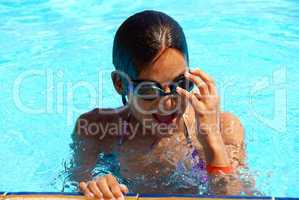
{"x": 168, "y": 102}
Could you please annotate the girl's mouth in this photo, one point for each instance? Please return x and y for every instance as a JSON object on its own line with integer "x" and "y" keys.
{"x": 167, "y": 119}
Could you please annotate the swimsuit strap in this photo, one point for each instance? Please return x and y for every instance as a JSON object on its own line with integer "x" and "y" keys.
{"x": 198, "y": 162}
{"x": 186, "y": 133}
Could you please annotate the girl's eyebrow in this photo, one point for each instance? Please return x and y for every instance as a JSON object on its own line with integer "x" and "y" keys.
{"x": 176, "y": 78}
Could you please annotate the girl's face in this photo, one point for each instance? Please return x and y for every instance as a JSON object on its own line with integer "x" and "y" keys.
{"x": 163, "y": 111}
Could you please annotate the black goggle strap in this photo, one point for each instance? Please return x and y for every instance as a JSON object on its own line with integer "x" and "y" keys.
{"x": 129, "y": 89}
{"x": 124, "y": 100}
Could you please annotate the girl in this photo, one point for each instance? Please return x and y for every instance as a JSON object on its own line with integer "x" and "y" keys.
{"x": 170, "y": 136}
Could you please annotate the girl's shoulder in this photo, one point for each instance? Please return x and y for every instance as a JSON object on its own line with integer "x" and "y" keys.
{"x": 103, "y": 114}
{"x": 232, "y": 129}
{"x": 97, "y": 126}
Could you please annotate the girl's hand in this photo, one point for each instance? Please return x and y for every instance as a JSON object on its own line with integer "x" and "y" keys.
{"x": 205, "y": 101}
{"x": 103, "y": 187}
{"x": 206, "y": 104}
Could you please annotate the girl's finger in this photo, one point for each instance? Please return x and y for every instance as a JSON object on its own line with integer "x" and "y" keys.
{"x": 93, "y": 187}
{"x": 198, "y": 106}
{"x": 202, "y": 86}
{"x": 103, "y": 185}
{"x": 114, "y": 186}
{"x": 197, "y": 95}
{"x": 207, "y": 79}
{"x": 195, "y": 101}
{"x": 123, "y": 188}
{"x": 184, "y": 93}
{"x": 84, "y": 189}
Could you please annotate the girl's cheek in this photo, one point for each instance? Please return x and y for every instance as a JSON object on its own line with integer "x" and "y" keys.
{"x": 139, "y": 108}
{"x": 145, "y": 107}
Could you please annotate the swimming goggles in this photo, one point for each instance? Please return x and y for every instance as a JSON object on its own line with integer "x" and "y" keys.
{"x": 149, "y": 90}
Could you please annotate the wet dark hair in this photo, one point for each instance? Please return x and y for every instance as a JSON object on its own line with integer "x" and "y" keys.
{"x": 140, "y": 38}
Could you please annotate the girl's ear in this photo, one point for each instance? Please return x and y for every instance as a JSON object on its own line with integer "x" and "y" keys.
{"x": 117, "y": 83}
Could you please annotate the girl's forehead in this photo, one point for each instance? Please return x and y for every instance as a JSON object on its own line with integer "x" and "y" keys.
{"x": 170, "y": 64}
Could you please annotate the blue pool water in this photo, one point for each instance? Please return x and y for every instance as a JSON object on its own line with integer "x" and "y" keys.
{"x": 55, "y": 63}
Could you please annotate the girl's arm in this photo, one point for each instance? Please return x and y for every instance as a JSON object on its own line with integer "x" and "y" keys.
{"x": 206, "y": 104}
{"x": 85, "y": 148}
{"x": 232, "y": 135}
